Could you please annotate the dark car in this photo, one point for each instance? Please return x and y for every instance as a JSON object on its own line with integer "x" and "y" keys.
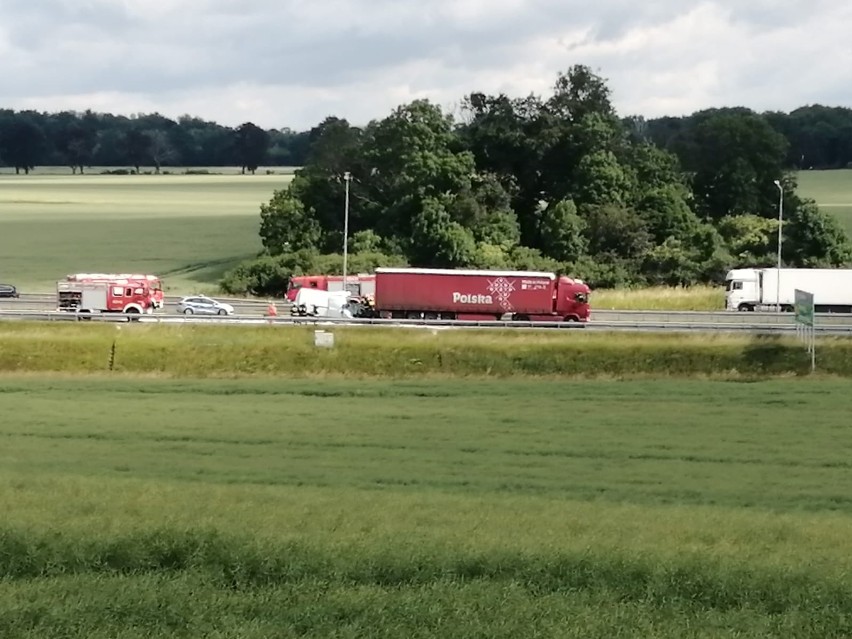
{"x": 7, "y": 290}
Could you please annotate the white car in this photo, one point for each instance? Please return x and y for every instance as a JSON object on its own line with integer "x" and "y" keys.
{"x": 203, "y": 305}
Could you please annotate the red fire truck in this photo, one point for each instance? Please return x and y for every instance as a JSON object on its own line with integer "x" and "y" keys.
{"x": 152, "y": 282}
{"x": 420, "y": 293}
{"x": 119, "y": 295}
{"x": 360, "y": 284}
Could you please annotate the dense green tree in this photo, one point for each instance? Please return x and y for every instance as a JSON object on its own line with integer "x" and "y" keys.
{"x": 160, "y": 148}
{"x": 137, "y": 147}
{"x": 485, "y": 208}
{"x": 666, "y": 213}
{"x": 287, "y": 225}
{"x": 250, "y": 146}
{"x": 613, "y": 230}
{"x": 814, "y": 239}
{"x": 439, "y": 241}
{"x": 75, "y": 143}
{"x": 734, "y": 157}
{"x": 751, "y": 239}
{"x": 563, "y": 232}
{"x": 22, "y": 141}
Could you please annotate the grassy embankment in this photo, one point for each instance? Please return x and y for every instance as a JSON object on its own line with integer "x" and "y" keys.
{"x": 200, "y": 351}
{"x": 272, "y": 507}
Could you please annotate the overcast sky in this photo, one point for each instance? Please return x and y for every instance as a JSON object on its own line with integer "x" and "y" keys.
{"x": 290, "y": 63}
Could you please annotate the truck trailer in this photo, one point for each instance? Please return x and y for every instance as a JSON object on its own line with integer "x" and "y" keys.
{"x": 754, "y": 289}
{"x": 421, "y": 293}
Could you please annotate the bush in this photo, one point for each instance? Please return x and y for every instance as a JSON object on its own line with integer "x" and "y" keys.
{"x": 269, "y": 275}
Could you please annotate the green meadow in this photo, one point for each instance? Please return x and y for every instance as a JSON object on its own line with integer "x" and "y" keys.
{"x": 189, "y": 229}
{"x": 139, "y": 507}
{"x": 832, "y": 190}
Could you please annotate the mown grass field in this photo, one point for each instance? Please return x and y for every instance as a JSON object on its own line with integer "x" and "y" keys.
{"x": 139, "y": 507}
{"x": 189, "y": 229}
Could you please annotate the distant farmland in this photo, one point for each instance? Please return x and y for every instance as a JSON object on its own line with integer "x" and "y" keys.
{"x": 832, "y": 190}
{"x": 187, "y": 228}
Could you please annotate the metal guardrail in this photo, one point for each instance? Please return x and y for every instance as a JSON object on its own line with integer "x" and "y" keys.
{"x": 595, "y": 325}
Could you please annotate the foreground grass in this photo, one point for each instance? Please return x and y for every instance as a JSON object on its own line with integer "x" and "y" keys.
{"x": 189, "y": 229}
{"x": 257, "y": 508}
{"x": 234, "y": 351}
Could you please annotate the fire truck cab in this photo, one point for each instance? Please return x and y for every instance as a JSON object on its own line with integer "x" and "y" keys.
{"x": 151, "y": 282}
{"x": 115, "y": 296}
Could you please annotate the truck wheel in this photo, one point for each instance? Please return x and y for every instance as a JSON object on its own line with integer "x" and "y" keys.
{"x": 746, "y": 308}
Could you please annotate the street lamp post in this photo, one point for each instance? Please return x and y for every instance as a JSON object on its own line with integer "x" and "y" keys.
{"x": 346, "y": 178}
{"x": 780, "y": 222}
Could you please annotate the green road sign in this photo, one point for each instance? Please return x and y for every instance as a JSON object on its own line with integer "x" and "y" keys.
{"x": 804, "y": 308}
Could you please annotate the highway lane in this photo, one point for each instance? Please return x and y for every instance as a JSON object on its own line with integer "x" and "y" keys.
{"x": 668, "y": 325}
{"x": 257, "y": 308}
{"x": 40, "y": 302}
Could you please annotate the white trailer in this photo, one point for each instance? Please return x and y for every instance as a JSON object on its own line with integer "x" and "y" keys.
{"x": 755, "y": 289}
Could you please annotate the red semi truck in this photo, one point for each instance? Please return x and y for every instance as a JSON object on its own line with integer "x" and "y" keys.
{"x": 421, "y": 293}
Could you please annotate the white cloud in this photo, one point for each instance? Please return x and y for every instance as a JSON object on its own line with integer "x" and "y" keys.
{"x": 292, "y": 62}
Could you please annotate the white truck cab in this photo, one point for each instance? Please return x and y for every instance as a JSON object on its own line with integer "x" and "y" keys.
{"x": 742, "y": 289}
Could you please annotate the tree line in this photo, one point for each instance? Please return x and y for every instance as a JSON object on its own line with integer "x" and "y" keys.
{"x": 79, "y": 140}
{"x": 817, "y": 137}
{"x": 559, "y": 183}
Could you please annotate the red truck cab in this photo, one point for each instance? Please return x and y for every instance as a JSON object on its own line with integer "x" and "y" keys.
{"x": 572, "y": 299}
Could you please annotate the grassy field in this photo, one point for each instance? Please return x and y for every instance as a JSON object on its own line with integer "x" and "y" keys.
{"x": 189, "y": 229}
{"x": 832, "y": 190}
{"x": 256, "y": 508}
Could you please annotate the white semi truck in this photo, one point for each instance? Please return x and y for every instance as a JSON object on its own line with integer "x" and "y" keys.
{"x": 756, "y": 289}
